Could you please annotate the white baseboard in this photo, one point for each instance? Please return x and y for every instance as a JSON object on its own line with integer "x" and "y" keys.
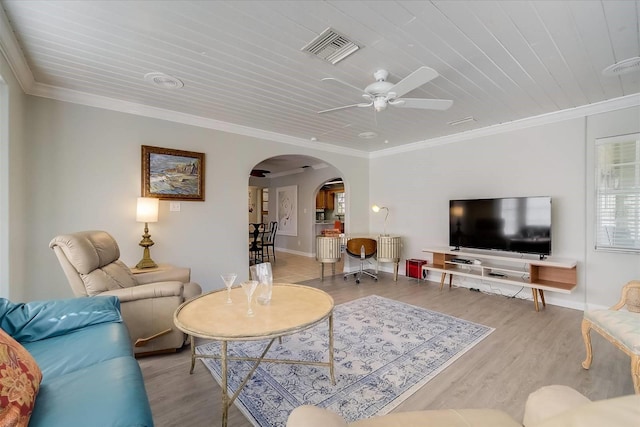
{"x": 372, "y": 266}
{"x": 596, "y": 307}
{"x": 508, "y": 291}
{"x": 291, "y": 251}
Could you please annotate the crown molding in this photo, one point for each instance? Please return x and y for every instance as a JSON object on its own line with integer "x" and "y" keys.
{"x": 542, "y": 119}
{"x": 11, "y": 50}
{"x": 83, "y": 98}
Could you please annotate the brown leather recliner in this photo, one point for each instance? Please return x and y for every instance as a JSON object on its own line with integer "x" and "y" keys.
{"x": 90, "y": 260}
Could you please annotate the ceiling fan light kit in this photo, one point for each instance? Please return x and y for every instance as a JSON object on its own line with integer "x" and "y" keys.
{"x": 379, "y": 103}
{"x": 382, "y": 93}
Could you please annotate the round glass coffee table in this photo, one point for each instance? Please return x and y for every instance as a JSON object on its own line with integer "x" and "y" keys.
{"x": 293, "y": 308}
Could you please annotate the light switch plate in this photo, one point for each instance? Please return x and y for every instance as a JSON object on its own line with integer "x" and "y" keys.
{"x": 174, "y": 206}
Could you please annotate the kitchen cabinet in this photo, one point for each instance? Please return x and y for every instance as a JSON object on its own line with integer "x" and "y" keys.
{"x": 321, "y": 200}
{"x": 325, "y": 199}
{"x": 330, "y": 198}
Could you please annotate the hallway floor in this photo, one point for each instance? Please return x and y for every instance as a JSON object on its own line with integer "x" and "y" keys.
{"x": 290, "y": 268}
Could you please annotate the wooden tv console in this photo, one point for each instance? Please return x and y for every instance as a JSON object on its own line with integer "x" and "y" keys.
{"x": 550, "y": 274}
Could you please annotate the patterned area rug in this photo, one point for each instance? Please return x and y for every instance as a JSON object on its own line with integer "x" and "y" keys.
{"x": 384, "y": 351}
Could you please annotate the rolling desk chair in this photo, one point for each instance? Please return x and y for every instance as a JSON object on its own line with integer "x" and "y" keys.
{"x": 362, "y": 248}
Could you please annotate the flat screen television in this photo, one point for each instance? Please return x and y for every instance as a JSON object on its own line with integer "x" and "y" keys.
{"x": 515, "y": 224}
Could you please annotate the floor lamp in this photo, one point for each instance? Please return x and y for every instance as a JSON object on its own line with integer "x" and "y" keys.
{"x": 147, "y": 211}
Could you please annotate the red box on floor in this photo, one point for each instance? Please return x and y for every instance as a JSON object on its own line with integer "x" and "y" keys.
{"x": 414, "y": 267}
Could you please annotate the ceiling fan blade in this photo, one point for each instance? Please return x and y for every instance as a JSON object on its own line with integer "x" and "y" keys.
{"x": 425, "y": 104}
{"x": 346, "y": 106}
{"x": 419, "y": 77}
{"x": 331, "y": 79}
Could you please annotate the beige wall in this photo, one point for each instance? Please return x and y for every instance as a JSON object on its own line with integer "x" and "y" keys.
{"x": 544, "y": 160}
{"x": 540, "y": 161}
{"x": 13, "y": 191}
{"x": 85, "y": 174}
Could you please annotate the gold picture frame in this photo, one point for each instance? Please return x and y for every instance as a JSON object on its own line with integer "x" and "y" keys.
{"x": 170, "y": 174}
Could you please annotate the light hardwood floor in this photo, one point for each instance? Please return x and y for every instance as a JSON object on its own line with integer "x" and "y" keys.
{"x": 526, "y": 351}
{"x": 290, "y": 268}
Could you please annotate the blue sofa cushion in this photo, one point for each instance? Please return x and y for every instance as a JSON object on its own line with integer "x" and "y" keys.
{"x": 79, "y": 349}
{"x": 37, "y": 320}
{"x": 108, "y": 394}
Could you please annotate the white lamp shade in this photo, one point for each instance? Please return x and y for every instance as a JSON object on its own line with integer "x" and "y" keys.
{"x": 377, "y": 208}
{"x": 147, "y": 209}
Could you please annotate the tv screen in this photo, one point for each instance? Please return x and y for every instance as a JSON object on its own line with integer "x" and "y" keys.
{"x": 517, "y": 224}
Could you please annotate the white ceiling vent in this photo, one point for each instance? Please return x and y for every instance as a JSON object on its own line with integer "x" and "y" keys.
{"x": 623, "y": 67}
{"x": 331, "y": 46}
{"x": 163, "y": 80}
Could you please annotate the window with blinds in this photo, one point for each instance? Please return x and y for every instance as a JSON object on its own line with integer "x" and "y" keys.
{"x": 618, "y": 193}
{"x": 340, "y": 204}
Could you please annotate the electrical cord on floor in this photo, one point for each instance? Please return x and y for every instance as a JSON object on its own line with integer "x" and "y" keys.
{"x": 493, "y": 291}
{"x": 496, "y": 291}
{"x": 516, "y": 294}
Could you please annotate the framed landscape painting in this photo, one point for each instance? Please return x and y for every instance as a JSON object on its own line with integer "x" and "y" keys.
{"x": 287, "y": 210}
{"x": 172, "y": 174}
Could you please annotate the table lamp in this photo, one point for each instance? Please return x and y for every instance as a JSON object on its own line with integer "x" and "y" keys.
{"x": 377, "y": 209}
{"x": 147, "y": 212}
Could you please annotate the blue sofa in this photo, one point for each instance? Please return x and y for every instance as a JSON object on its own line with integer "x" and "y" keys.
{"x": 89, "y": 374}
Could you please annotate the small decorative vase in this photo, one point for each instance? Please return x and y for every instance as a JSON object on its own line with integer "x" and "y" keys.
{"x": 263, "y": 274}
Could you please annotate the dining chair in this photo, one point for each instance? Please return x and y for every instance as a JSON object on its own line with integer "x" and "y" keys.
{"x": 269, "y": 241}
{"x": 255, "y": 246}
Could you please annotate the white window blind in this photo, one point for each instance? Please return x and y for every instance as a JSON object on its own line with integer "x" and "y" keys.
{"x": 618, "y": 193}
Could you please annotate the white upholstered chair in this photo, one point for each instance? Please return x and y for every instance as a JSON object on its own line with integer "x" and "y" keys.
{"x": 90, "y": 260}
{"x": 620, "y": 327}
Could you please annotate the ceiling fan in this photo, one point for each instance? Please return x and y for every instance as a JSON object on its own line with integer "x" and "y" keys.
{"x": 382, "y": 93}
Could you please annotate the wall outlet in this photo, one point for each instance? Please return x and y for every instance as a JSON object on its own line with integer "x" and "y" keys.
{"x": 174, "y": 206}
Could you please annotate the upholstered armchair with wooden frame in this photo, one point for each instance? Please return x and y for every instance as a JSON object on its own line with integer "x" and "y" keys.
{"x": 90, "y": 261}
{"x": 620, "y": 327}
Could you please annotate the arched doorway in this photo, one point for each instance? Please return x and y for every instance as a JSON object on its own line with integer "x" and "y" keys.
{"x": 301, "y": 177}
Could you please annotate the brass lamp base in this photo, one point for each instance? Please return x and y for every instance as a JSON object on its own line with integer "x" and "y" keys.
{"x": 146, "y": 261}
